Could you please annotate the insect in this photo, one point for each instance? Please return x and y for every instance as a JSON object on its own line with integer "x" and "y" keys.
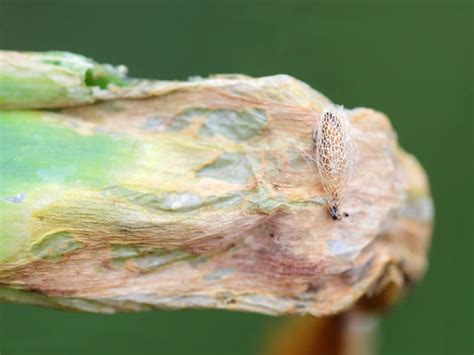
{"x": 334, "y": 151}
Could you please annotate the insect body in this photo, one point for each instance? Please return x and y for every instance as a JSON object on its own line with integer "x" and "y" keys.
{"x": 334, "y": 151}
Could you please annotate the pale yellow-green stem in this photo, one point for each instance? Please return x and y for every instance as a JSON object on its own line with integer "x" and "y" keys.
{"x": 123, "y": 195}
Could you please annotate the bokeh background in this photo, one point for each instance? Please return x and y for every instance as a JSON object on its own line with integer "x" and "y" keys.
{"x": 412, "y": 60}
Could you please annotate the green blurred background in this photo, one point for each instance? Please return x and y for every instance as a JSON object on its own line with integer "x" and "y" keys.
{"x": 412, "y": 60}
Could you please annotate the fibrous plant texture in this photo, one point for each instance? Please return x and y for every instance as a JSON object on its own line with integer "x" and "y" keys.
{"x": 123, "y": 195}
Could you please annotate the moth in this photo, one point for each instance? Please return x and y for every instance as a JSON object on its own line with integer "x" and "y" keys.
{"x": 334, "y": 150}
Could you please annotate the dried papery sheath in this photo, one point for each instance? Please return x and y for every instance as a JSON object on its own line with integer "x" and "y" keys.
{"x": 138, "y": 194}
{"x": 334, "y": 150}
